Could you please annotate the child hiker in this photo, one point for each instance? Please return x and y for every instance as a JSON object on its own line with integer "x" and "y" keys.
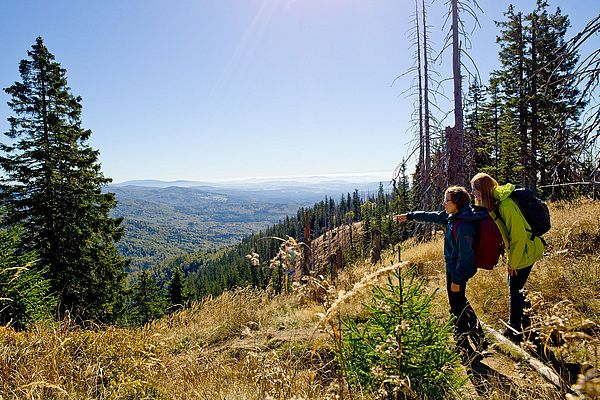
{"x": 460, "y": 264}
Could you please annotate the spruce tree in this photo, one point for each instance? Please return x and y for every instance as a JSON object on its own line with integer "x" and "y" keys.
{"x": 147, "y": 301}
{"x": 542, "y": 104}
{"x": 52, "y": 187}
{"x": 474, "y": 138}
{"x": 401, "y": 203}
{"x": 356, "y": 203}
{"x": 176, "y": 288}
{"x": 488, "y": 144}
{"x": 509, "y": 168}
{"x": 398, "y": 340}
{"x": 512, "y": 76}
{"x": 553, "y": 98}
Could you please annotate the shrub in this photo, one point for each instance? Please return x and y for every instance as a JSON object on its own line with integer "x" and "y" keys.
{"x": 25, "y": 296}
{"x": 401, "y": 350}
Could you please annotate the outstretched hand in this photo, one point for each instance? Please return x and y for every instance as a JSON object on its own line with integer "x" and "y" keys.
{"x": 400, "y": 218}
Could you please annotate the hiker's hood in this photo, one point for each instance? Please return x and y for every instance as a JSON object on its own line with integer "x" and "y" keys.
{"x": 502, "y": 192}
{"x": 470, "y": 213}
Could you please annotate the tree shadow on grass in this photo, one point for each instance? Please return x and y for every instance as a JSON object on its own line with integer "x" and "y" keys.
{"x": 567, "y": 371}
{"x": 487, "y": 380}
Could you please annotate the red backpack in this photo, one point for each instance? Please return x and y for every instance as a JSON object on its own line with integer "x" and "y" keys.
{"x": 488, "y": 244}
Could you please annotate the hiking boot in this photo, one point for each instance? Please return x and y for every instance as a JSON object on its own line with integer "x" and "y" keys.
{"x": 512, "y": 334}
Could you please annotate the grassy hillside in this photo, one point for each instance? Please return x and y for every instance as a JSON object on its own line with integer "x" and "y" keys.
{"x": 251, "y": 345}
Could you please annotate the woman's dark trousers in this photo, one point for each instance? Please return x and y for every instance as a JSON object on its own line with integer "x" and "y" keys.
{"x": 518, "y": 301}
{"x": 465, "y": 322}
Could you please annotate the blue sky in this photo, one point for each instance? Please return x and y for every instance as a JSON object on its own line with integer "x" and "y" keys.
{"x": 222, "y": 89}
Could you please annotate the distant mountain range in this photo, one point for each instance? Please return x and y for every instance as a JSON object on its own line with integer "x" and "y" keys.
{"x": 309, "y": 188}
{"x": 163, "y": 219}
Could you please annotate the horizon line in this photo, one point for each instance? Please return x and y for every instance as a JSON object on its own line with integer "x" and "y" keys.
{"x": 374, "y": 174}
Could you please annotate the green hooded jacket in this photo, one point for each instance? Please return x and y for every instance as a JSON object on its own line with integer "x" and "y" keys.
{"x": 516, "y": 232}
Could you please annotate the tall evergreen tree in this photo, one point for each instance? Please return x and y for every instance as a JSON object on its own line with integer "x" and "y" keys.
{"x": 487, "y": 149}
{"x": 356, "y": 202}
{"x": 512, "y": 76}
{"x": 146, "y": 300}
{"x": 176, "y": 288}
{"x": 473, "y": 137}
{"x": 541, "y": 102}
{"x": 554, "y": 100}
{"x": 52, "y": 187}
{"x": 510, "y": 168}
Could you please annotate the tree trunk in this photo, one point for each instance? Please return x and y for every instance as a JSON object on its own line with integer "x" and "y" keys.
{"x": 350, "y": 226}
{"x": 427, "y": 166}
{"x": 375, "y": 246}
{"x": 307, "y": 253}
{"x": 455, "y": 135}
{"x": 420, "y": 88}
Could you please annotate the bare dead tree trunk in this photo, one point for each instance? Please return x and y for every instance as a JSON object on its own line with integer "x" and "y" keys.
{"x": 440, "y": 179}
{"x": 333, "y": 271}
{"x": 339, "y": 259}
{"x": 427, "y": 165}
{"x": 420, "y": 187}
{"x": 307, "y": 253}
{"x": 469, "y": 150}
{"x": 375, "y": 246}
{"x": 455, "y": 135}
{"x": 351, "y": 227}
{"x": 420, "y": 88}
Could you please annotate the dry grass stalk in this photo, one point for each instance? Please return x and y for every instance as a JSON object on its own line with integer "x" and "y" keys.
{"x": 365, "y": 283}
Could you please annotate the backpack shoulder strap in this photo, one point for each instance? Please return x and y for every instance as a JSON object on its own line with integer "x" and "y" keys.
{"x": 455, "y": 228}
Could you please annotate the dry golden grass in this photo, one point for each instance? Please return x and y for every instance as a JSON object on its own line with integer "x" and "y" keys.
{"x": 241, "y": 345}
{"x": 248, "y": 345}
{"x": 64, "y": 362}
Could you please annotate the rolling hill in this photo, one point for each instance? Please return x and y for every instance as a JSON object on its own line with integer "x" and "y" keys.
{"x": 163, "y": 219}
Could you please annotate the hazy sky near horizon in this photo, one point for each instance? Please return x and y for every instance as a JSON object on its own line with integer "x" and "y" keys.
{"x": 221, "y": 89}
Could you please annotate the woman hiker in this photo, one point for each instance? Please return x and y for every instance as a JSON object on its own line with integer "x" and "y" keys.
{"x": 460, "y": 264}
{"x": 523, "y": 250}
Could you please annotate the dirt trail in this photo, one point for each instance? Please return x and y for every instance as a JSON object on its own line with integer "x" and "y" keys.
{"x": 500, "y": 376}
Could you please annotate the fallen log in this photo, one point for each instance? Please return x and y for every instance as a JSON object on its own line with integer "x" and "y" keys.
{"x": 544, "y": 370}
